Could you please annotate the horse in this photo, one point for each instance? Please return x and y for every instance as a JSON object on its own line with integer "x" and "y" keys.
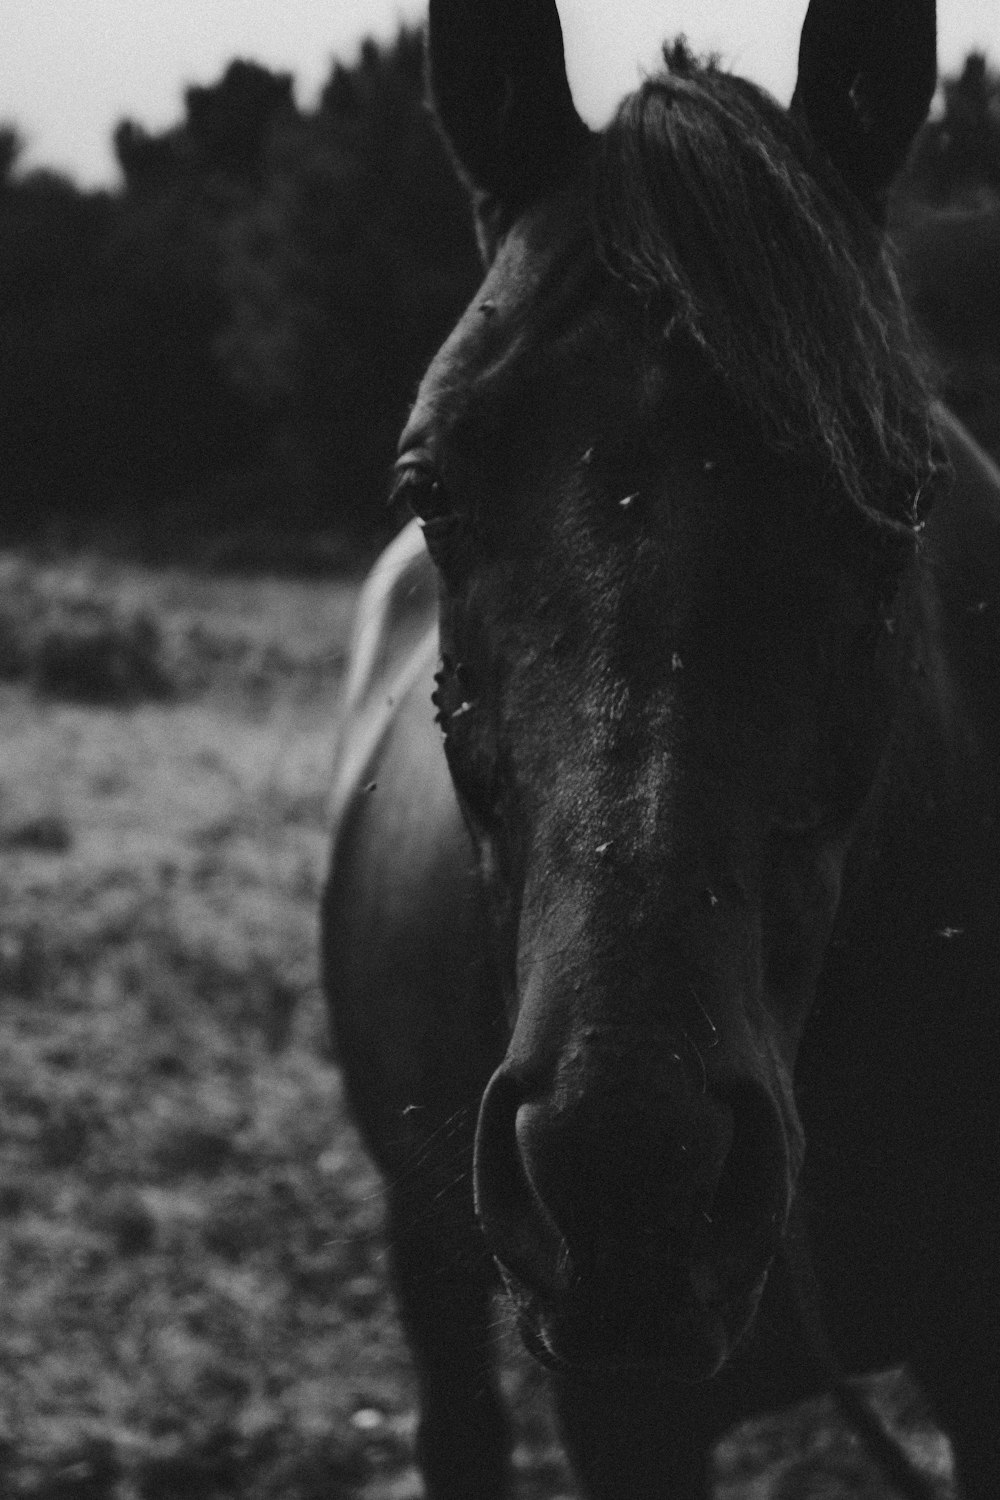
{"x": 661, "y": 932}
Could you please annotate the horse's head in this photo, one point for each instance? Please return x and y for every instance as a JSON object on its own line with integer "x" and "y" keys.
{"x": 667, "y": 466}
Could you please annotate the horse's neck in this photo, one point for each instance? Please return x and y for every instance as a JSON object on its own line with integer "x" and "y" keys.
{"x": 963, "y": 530}
{"x": 951, "y": 632}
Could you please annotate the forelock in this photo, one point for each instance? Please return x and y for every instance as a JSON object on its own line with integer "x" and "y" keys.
{"x": 711, "y": 206}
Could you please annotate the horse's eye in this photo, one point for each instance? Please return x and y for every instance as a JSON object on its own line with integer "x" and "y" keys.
{"x": 419, "y": 486}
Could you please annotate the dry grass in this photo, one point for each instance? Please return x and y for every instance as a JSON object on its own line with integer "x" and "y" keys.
{"x": 193, "y": 1289}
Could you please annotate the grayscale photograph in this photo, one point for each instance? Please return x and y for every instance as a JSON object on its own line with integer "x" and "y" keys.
{"x": 500, "y": 750}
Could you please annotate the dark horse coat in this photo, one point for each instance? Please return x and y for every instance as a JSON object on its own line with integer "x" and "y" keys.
{"x": 675, "y": 927}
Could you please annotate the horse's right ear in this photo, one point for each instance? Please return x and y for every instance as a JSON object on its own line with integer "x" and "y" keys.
{"x": 499, "y": 90}
{"x": 867, "y": 74}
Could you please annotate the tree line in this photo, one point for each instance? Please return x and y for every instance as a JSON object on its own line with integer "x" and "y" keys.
{"x": 225, "y": 346}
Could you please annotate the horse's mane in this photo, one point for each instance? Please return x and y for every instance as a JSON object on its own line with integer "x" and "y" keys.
{"x": 713, "y": 207}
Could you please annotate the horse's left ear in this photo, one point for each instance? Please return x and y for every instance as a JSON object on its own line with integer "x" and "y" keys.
{"x": 499, "y": 89}
{"x": 867, "y": 74}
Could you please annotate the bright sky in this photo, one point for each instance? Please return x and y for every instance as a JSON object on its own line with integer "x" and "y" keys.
{"x": 70, "y": 69}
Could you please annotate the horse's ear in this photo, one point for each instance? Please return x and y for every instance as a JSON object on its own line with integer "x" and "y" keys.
{"x": 867, "y": 73}
{"x": 499, "y": 89}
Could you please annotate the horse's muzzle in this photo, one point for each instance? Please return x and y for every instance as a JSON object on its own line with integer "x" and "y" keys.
{"x": 634, "y": 1221}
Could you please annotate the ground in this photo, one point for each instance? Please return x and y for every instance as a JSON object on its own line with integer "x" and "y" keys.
{"x": 192, "y": 1274}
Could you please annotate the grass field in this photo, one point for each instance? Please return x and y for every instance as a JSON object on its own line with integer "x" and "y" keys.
{"x": 192, "y": 1279}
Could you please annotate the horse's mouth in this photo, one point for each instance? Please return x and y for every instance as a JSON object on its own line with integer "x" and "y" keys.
{"x": 679, "y": 1309}
{"x": 687, "y": 1333}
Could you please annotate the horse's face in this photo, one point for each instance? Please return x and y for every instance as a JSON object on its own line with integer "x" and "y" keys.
{"x": 664, "y": 703}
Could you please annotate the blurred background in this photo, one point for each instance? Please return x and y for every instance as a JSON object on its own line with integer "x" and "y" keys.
{"x": 219, "y": 284}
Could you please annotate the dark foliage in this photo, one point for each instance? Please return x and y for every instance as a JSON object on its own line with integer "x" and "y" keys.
{"x": 342, "y": 277}
{"x": 224, "y": 348}
{"x": 958, "y": 152}
{"x": 946, "y": 221}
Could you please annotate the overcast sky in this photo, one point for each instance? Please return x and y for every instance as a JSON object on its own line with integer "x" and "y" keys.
{"x": 70, "y": 69}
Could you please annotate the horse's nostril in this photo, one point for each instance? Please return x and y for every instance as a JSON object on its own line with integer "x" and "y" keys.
{"x": 751, "y": 1196}
{"x": 515, "y": 1222}
{"x": 578, "y": 1199}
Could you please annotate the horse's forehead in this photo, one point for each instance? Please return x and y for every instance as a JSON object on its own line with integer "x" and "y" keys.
{"x": 538, "y": 268}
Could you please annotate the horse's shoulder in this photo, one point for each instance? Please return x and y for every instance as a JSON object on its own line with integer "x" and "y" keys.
{"x": 397, "y": 608}
{"x": 964, "y": 529}
{"x": 958, "y": 654}
{"x": 393, "y": 644}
